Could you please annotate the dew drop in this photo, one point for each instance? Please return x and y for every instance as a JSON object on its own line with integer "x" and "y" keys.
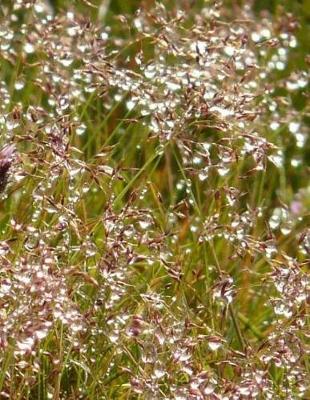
{"x": 29, "y": 48}
{"x": 203, "y": 175}
{"x": 19, "y": 85}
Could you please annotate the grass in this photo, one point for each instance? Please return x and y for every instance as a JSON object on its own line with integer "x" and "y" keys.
{"x": 154, "y": 210}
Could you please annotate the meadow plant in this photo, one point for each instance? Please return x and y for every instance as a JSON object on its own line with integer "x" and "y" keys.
{"x": 154, "y": 202}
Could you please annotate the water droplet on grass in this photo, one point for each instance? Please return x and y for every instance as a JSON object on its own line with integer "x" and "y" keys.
{"x": 29, "y": 48}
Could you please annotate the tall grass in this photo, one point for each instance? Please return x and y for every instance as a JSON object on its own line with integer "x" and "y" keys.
{"x": 154, "y": 206}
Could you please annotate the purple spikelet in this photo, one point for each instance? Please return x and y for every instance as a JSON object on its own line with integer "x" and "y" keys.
{"x": 6, "y": 158}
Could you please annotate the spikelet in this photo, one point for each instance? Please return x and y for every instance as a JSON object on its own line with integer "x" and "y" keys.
{"x": 6, "y": 158}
